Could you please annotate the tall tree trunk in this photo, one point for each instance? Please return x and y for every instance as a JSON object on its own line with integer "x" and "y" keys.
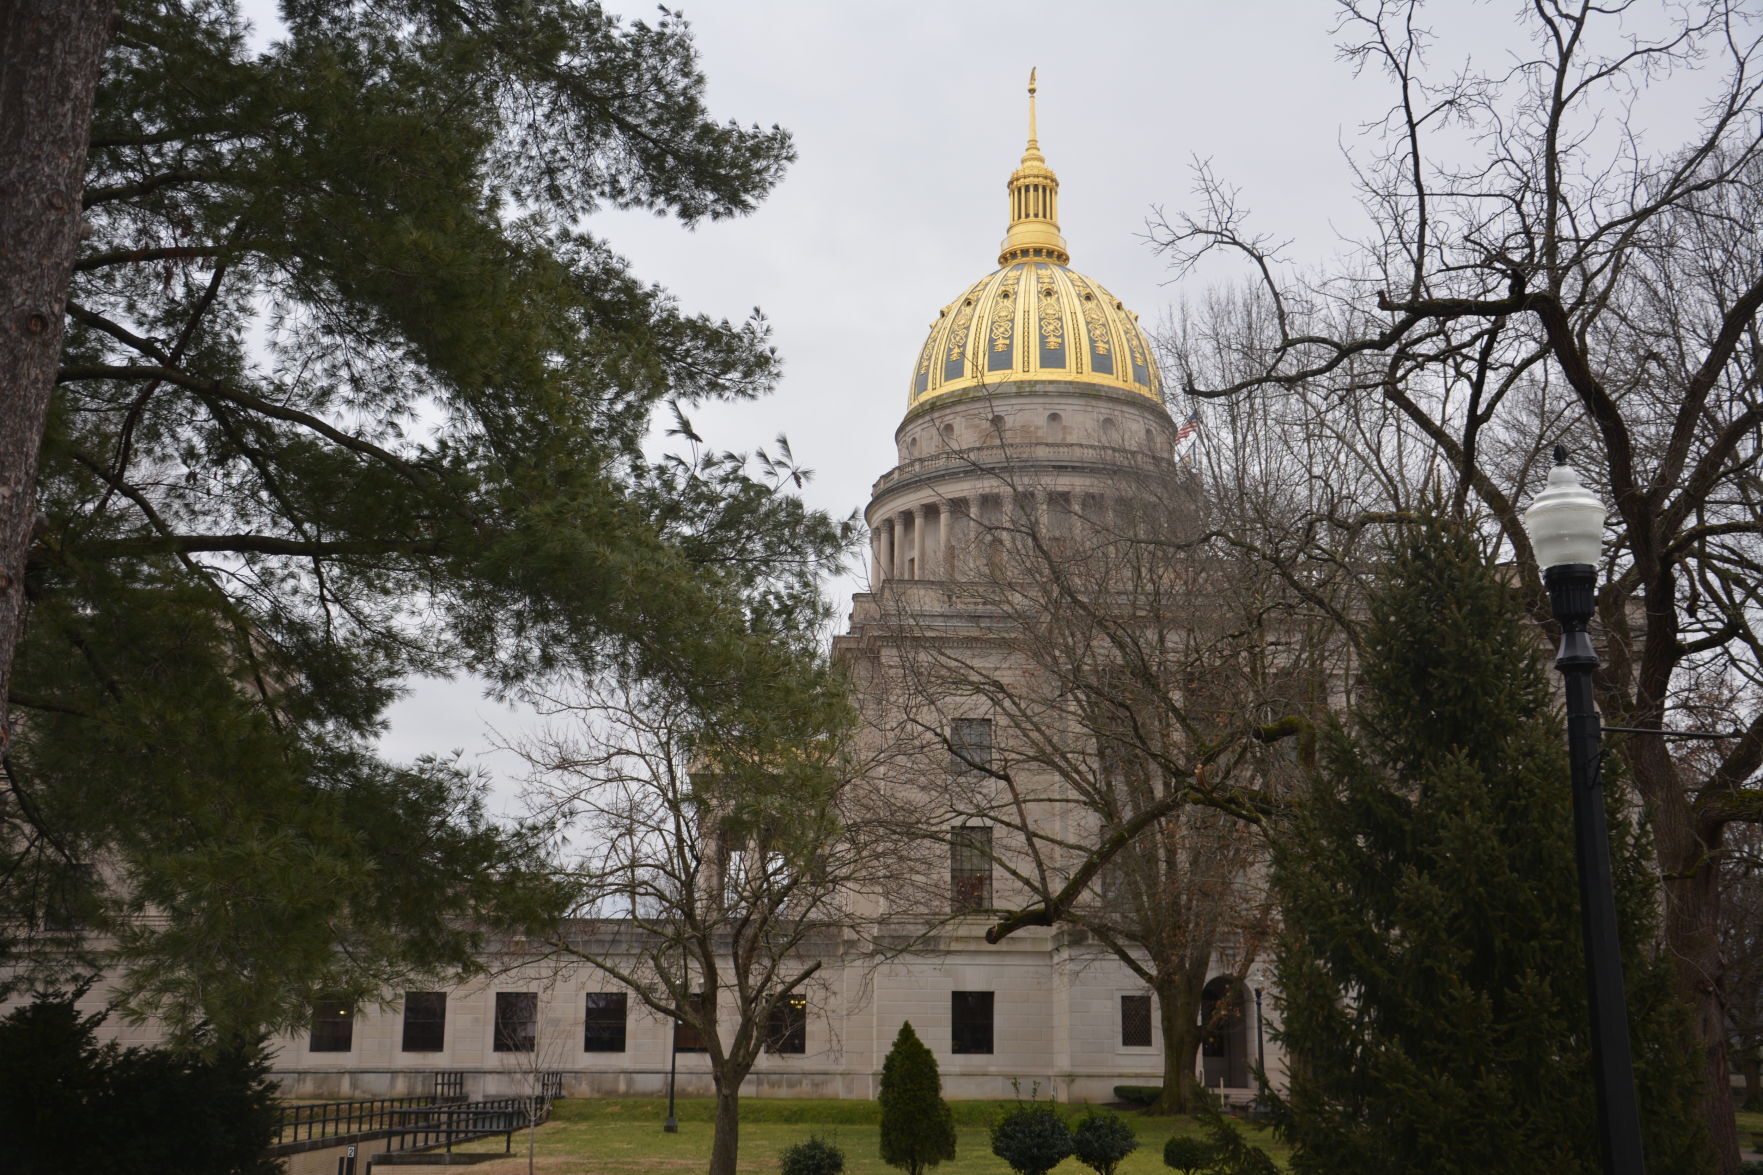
{"x": 1692, "y": 917}
{"x": 1686, "y": 848}
{"x": 1178, "y": 1010}
{"x": 725, "y": 1146}
{"x": 1751, "y": 1066}
{"x": 49, "y": 54}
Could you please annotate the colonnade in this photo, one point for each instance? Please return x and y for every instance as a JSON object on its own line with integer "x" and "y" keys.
{"x": 937, "y": 540}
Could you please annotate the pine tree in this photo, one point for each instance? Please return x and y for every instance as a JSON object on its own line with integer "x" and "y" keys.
{"x": 350, "y": 393}
{"x": 917, "y": 1129}
{"x": 68, "y": 1103}
{"x": 1430, "y": 969}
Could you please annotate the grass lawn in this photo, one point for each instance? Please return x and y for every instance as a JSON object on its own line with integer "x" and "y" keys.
{"x": 622, "y": 1136}
{"x": 1751, "y": 1130}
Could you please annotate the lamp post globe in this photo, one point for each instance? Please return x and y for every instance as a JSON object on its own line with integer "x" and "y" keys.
{"x": 1566, "y": 521}
{"x": 1565, "y": 525}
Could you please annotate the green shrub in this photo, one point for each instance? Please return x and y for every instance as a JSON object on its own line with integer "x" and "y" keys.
{"x": 1138, "y": 1095}
{"x": 816, "y": 1156}
{"x": 1102, "y": 1141}
{"x": 1187, "y": 1154}
{"x": 1032, "y": 1138}
{"x": 917, "y": 1129}
{"x": 68, "y": 1103}
{"x": 1753, "y": 1167}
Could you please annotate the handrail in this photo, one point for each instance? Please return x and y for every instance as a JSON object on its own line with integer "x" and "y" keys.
{"x": 437, "y": 1122}
{"x": 324, "y": 1119}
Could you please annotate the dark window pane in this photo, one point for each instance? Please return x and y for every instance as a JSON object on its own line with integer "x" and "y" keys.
{"x": 603, "y": 1025}
{"x": 787, "y": 1030}
{"x": 425, "y": 1021}
{"x": 970, "y": 744}
{"x": 517, "y": 1021}
{"x": 970, "y": 1022}
{"x": 687, "y": 1039}
{"x": 1135, "y": 1021}
{"x": 333, "y": 1026}
{"x": 970, "y": 869}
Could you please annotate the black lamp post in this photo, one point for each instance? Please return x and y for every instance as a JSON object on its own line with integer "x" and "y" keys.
{"x": 671, "y": 1126}
{"x": 1260, "y": 1039}
{"x": 1566, "y": 528}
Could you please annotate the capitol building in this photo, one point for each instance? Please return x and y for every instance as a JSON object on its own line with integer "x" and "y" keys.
{"x": 1035, "y": 421}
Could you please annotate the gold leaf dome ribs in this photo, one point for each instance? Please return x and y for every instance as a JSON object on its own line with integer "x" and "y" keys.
{"x": 1035, "y": 318}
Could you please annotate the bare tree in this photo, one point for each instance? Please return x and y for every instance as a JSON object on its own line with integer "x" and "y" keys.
{"x": 1537, "y": 270}
{"x": 1129, "y": 668}
{"x": 722, "y": 870}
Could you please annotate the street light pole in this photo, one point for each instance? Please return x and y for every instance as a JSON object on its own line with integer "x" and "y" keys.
{"x": 671, "y": 1126}
{"x": 1565, "y": 524}
{"x": 1260, "y": 1039}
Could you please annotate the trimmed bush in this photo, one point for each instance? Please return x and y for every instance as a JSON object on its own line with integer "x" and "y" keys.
{"x": 1032, "y": 1138}
{"x": 917, "y": 1129}
{"x": 1187, "y": 1154}
{"x": 68, "y": 1103}
{"x": 815, "y": 1156}
{"x": 1138, "y": 1095}
{"x": 1101, "y": 1141}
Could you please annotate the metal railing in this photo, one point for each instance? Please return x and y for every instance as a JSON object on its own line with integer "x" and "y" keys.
{"x": 417, "y": 1123}
{"x": 329, "y": 1119}
{"x": 448, "y": 1125}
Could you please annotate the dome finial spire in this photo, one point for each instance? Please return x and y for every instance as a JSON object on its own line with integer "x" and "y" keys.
{"x": 1034, "y": 203}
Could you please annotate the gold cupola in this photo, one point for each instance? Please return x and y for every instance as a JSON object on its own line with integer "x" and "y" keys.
{"x": 1034, "y": 203}
{"x": 1033, "y": 318}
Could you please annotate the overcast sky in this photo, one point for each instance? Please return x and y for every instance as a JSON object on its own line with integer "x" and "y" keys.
{"x": 908, "y": 119}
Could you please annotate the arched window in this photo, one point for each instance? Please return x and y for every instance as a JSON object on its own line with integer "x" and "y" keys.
{"x": 1055, "y": 427}
{"x": 998, "y": 427}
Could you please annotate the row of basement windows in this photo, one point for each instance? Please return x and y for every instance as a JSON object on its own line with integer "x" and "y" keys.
{"x": 517, "y": 1020}
{"x": 603, "y": 1023}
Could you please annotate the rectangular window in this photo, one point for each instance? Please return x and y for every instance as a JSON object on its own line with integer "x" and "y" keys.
{"x": 1135, "y": 1021}
{"x": 970, "y": 869}
{"x": 970, "y": 744}
{"x": 970, "y": 1022}
{"x": 517, "y": 1021}
{"x": 603, "y": 1027}
{"x": 425, "y": 1021}
{"x": 333, "y": 1025}
{"x": 687, "y": 1039}
{"x": 787, "y": 1029}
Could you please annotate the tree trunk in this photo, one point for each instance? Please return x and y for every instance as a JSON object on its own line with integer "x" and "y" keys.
{"x": 1178, "y": 1010}
{"x": 1692, "y": 915}
{"x": 726, "y": 1145}
{"x": 1685, "y": 853}
{"x": 49, "y": 55}
{"x": 1751, "y": 1066}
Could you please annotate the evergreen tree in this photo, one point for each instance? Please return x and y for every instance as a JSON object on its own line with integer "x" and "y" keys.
{"x": 68, "y": 1103}
{"x": 349, "y": 393}
{"x": 917, "y": 1129}
{"x": 1431, "y": 970}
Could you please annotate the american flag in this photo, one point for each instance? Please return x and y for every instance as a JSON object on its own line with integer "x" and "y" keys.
{"x": 1188, "y": 427}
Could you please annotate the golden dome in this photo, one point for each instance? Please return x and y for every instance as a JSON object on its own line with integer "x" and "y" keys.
{"x": 1034, "y": 318}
